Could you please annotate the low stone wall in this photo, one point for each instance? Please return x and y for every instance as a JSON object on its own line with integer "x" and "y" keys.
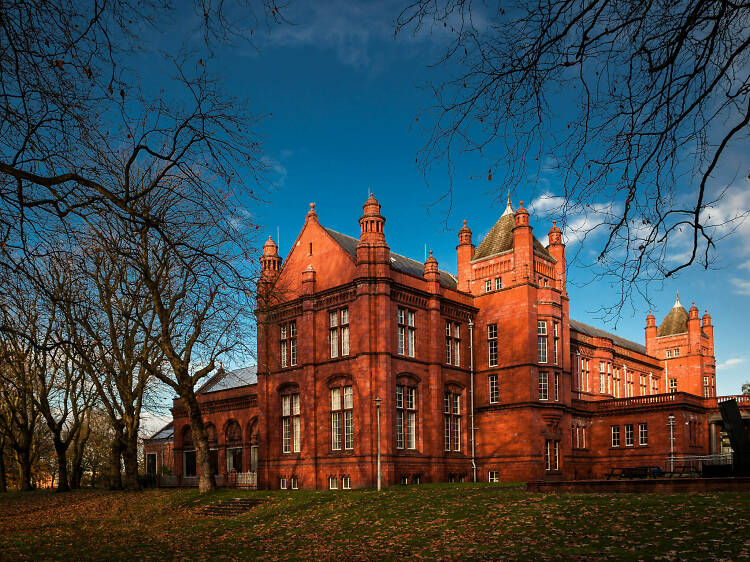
{"x": 668, "y": 485}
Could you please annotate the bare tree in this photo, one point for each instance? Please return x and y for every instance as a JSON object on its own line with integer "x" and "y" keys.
{"x": 112, "y": 329}
{"x": 199, "y": 276}
{"x": 18, "y": 411}
{"x": 636, "y": 106}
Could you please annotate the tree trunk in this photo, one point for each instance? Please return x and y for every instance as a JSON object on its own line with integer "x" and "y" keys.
{"x": 62, "y": 466}
{"x": 206, "y": 481}
{"x": 3, "y": 482}
{"x": 130, "y": 456}
{"x": 115, "y": 468}
{"x": 23, "y": 457}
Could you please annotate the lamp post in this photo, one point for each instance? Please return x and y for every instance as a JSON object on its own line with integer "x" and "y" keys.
{"x": 377, "y": 416}
{"x": 671, "y": 442}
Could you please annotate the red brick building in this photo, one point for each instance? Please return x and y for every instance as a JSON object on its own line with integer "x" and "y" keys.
{"x": 343, "y": 321}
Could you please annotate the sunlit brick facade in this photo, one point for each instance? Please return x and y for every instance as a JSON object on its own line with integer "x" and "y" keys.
{"x": 343, "y": 321}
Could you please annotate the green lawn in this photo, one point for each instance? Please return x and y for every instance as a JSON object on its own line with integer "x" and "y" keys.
{"x": 445, "y": 521}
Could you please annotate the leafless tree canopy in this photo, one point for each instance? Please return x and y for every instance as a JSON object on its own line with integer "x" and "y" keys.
{"x": 128, "y": 175}
{"x": 637, "y": 103}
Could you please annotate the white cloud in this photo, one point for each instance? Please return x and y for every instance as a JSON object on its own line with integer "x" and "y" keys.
{"x": 742, "y": 286}
{"x": 730, "y": 363}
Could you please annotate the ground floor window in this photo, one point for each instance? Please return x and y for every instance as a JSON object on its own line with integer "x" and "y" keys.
{"x": 346, "y": 483}
{"x": 642, "y": 434}
{"x": 294, "y": 483}
{"x": 282, "y": 483}
{"x": 404, "y": 480}
{"x": 234, "y": 459}
{"x": 333, "y": 483}
{"x": 189, "y": 463}
{"x": 615, "y": 435}
{"x": 494, "y": 476}
{"x": 151, "y": 463}
{"x": 552, "y": 455}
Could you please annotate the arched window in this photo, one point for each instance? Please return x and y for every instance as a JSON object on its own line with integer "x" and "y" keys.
{"x": 233, "y": 433}
{"x": 407, "y": 409}
{"x": 291, "y": 439}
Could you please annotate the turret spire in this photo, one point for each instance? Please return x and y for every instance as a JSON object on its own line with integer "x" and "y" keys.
{"x": 677, "y": 303}
{"x": 508, "y": 208}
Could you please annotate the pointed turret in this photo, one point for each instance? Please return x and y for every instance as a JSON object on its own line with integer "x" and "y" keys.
{"x": 372, "y": 247}
{"x": 557, "y": 249}
{"x": 464, "y": 252}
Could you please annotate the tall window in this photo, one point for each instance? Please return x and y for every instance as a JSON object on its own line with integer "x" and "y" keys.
{"x": 585, "y": 363}
{"x": 556, "y": 340}
{"x": 643, "y": 434}
{"x": 669, "y": 353}
{"x": 615, "y": 435}
{"x": 541, "y": 331}
{"x": 557, "y": 387}
{"x": 543, "y": 386}
{"x": 338, "y": 332}
{"x": 628, "y": 434}
{"x": 487, "y": 285}
{"x": 453, "y": 343}
{"x": 288, "y": 336}
{"x": 492, "y": 344}
{"x": 290, "y": 423}
{"x": 676, "y": 352}
{"x": 672, "y": 385}
{"x": 452, "y": 420}
{"x": 602, "y": 377}
{"x": 406, "y": 417}
{"x": 706, "y": 387}
{"x": 643, "y": 383}
{"x": 552, "y": 455}
{"x": 498, "y": 284}
{"x": 342, "y": 404}
{"x": 407, "y": 332}
{"x": 494, "y": 389}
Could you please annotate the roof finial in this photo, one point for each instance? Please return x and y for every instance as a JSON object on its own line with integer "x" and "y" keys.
{"x": 508, "y": 207}
{"x": 677, "y": 302}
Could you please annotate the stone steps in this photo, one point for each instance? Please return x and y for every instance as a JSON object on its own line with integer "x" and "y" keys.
{"x": 229, "y": 508}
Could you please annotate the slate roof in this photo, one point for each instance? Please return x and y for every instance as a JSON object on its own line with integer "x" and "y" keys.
{"x": 224, "y": 380}
{"x": 166, "y": 433}
{"x": 500, "y": 239}
{"x": 398, "y": 262}
{"x": 676, "y": 322}
{"x": 587, "y": 330}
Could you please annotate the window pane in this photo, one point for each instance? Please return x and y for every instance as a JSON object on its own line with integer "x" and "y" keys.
{"x": 344, "y": 315}
{"x": 541, "y": 327}
{"x": 348, "y": 397}
{"x": 333, "y": 319}
{"x": 456, "y": 433}
{"x": 411, "y": 430}
{"x": 401, "y": 340}
{"x": 399, "y": 396}
{"x": 345, "y": 340}
{"x": 283, "y": 331}
{"x": 285, "y": 405}
{"x": 447, "y": 403}
{"x": 411, "y": 393}
{"x": 412, "y": 341}
{"x": 447, "y": 328}
{"x": 401, "y": 313}
{"x": 448, "y": 349}
{"x": 295, "y": 404}
{"x": 335, "y": 399}
{"x": 293, "y": 328}
{"x": 456, "y": 404}
{"x": 283, "y": 354}
{"x": 335, "y": 431}
{"x": 447, "y": 432}
{"x": 334, "y": 337}
{"x": 293, "y": 352}
{"x": 285, "y": 434}
{"x": 297, "y": 434}
{"x": 411, "y": 318}
{"x": 399, "y": 429}
{"x": 348, "y": 429}
{"x": 457, "y": 353}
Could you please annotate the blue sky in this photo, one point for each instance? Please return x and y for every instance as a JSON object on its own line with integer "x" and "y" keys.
{"x": 343, "y": 97}
{"x": 344, "y": 101}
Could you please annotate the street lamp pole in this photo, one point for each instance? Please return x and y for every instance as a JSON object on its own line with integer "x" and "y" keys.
{"x": 377, "y": 416}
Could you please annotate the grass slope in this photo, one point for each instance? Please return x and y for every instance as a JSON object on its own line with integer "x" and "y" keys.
{"x": 439, "y": 521}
